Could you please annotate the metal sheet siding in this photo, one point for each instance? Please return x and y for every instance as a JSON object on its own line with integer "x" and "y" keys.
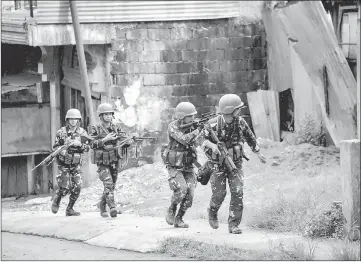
{"x": 58, "y": 12}
{"x": 13, "y": 28}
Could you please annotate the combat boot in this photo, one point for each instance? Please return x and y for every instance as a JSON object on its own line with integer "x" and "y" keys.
{"x": 55, "y": 204}
{"x": 70, "y": 211}
{"x": 170, "y": 214}
{"x": 113, "y": 212}
{"x": 178, "y": 221}
{"x": 234, "y": 230}
{"x": 102, "y": 207}
{"x": 213, "y": 218}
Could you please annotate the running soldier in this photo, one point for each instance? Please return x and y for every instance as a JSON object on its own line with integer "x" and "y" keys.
{"x": 69, "y": 161}
{"x": 233, "y": 131}
{"x": 105, "y": 154}
{"x": 178, "y": 157}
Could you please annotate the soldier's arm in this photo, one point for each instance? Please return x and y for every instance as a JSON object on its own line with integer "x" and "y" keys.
{"x": 59, "y": 139}
{"x": 96, "y": 143}
{"x": 204, "y": 138}
{"x": 248, "y": 135}
{"x": 177, "y": 134}
{"x": 84, "y": 146}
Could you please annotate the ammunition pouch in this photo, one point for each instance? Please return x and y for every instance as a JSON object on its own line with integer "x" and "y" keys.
{"x": 235, "y": 152}
{"x": 69, "y": 159}
{"x": 205, "y": 172}
{"x": 174, "y": 158}
{"x": 105, "y": 156}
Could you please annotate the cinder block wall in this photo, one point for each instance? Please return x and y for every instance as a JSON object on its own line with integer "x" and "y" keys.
{"x": 195, "y": 61}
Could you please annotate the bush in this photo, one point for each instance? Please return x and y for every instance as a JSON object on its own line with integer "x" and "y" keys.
{"x": 311, "y": 132}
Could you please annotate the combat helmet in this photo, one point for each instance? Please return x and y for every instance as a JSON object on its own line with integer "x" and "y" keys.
{"x": 105, "y": 108}
{"x": 229, "y": 102}
{"x": 184, "y": 109}
{"x": 73, "y": 113}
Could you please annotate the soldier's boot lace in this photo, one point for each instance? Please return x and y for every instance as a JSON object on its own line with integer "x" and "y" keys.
{"x": 178, "y": 221}
{"x": 234, "y": 230}
{"x": 70, "y": 211}
{"x": 102, "y": 207}
{"x": 55, "y": 204}
{"x": 213, "y": 218}
{"x": 170, "y": 214}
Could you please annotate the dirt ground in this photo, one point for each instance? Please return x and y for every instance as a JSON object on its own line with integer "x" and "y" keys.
{"x": 145, "y": 190}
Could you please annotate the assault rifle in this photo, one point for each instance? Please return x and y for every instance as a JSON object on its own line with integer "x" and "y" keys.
{"x": 135, "y": 138}
{"x": 50, "y": 158}
{"x": 200, "y": 121}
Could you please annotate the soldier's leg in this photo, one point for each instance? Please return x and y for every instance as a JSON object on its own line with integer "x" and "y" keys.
{"x": 106, "y": 177}
{"x": 218, "y": 184}
{"x": 114, "y": 171}
{"x": 62, "y": 179}
{"x": 187, "y": 201}
{"x": 235, "y": 182}
{"x": 76, "y": 184}
{"x": 178, "y": 185}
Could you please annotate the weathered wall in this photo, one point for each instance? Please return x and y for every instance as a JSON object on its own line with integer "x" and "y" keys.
{"x": 157, "y": 65}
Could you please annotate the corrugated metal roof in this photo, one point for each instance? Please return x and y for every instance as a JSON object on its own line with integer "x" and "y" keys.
{"x": 54, "y": 12}
{"x": 13, "y": 27}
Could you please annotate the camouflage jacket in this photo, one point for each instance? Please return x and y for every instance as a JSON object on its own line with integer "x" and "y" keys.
{"x": 64, "y": 134}
{"x": 236, "y": 132}
{"x": 99, "y": 131}
{"x": 181, "y": 140}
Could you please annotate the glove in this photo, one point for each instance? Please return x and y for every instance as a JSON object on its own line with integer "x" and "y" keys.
{"x": 212, "y": 146}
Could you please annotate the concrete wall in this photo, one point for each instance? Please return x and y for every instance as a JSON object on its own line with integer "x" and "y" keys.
{"x": 157, "y": 65}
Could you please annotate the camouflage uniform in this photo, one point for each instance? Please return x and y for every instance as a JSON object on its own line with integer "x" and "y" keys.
{"x": 69, "y": 178}
{"x": 179, "y": 157}
{"x": 233, "y": 135}
{"x": 106, "y": 158}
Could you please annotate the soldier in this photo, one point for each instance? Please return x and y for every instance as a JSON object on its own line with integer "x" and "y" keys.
{"x": 69, "y": 161}
{"x": 178, "y": 157}
{"x": 106, "y": 156}
{"x": 232, "y": 130}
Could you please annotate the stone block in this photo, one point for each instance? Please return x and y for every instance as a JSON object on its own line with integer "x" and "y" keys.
{"x": 257, "y": 52}
{"x": 198, "y": 44}
{"x": 144, "y": 68}
{"x": 219, "y": 43}
{"x": 141, "y": 25}
{"x": 120, "y": 80}
{"x": 182, "y": 90}
{"x": 216, "y": 55}
{"x": 235, "y": 54}
{"x": 235, "y": 31}
{"x": 159, "y": 34}
{"x": 185, "y": 67}
{"x": 181, "y": 33}
{"x": 120, "y": 33}
{"x": 221, "y": 32}
{"x": 198, "y": 90}
{"x": 194, "y": 55}
{"x": 117, "y": 68}
{"x": 204, "y": 32}
{"x": 170, "y": 56}
{"x": 165, "y": 68}
{"x": 242, "y": 87}
{"x": 154, "y": 45}
{"x": 236, "y": 42}
{"x": 149, "y": 56}
{"x": 248, "y": 30}
{"x": 136, "y": 34}
{"x": 154, "y": 79}
{"x": 121, "y": 56}
{"x": 218, "y": 77}
{"x": 173, "y": 79}
{"x": 257, "y": 41}
{"x": 118, "y": 45}
{"x": 237, "y": 76}
{"x": 132, "y": 57}
{"x": 212, "y": 66}
{"x": 257, "y": 63}
{"x": 247, "y": 41}
{"x": 225, "y": 66}
{"x": 350, "y": 169}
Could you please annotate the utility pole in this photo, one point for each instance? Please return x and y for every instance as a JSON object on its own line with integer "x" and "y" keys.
{"x": 82, "y": 62}
{"x": 358, "y": 71}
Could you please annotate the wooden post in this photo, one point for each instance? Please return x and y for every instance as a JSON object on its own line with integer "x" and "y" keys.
{"x": 358, "y": 72}
{"x": 82, "y": 61}
{"x": 31, "y": 174}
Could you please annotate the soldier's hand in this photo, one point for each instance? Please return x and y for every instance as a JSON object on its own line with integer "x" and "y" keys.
{"x": 214, "y": 148}
{"x": 261, "y": 158}
{"x": 109, "y": 137}
{"x": 207, "y": 126}
{"x": 77, "y": 143}
{"x": 200, "y": 126}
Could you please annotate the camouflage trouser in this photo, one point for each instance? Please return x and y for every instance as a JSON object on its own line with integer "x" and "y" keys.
{"x": 69, "y": 181}
{"x": 235, "y": 182}
{"x": 108, "y": 175}
{"x": 183, "y": 184}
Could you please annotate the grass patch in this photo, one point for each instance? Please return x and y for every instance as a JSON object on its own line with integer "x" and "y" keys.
{"x": 305, "y": 207}
{"x": 180, "y": 247}
{"x": 346, "y": 250}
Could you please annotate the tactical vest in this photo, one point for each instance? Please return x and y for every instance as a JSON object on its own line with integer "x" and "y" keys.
{"x": 107, "y": 155}
{"x": 72, "y": 156}
{"x": 177, "y": 155}
{"x": 231, "y": 137}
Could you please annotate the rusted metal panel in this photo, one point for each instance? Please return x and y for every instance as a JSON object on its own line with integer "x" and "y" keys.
{"x": 55, "y": 12}
{"x": 29, "y": 133}
{"x": 13, "y": 28}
